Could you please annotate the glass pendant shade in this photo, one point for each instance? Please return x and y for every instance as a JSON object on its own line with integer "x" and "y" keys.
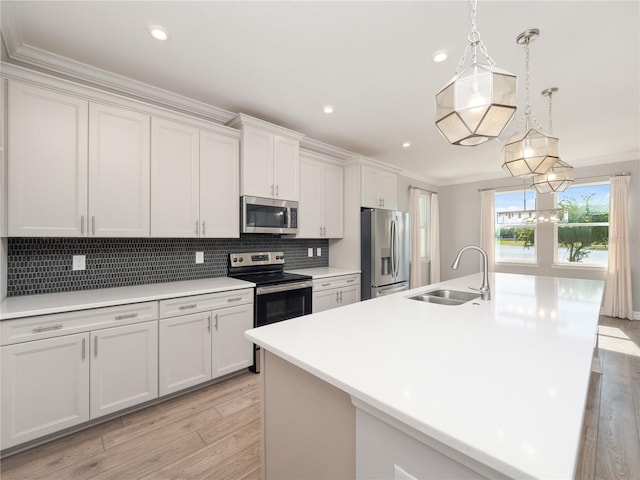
{"x": 530, "y": 153}
{"x": 476, "y": 105}
{"x": 557, "y": 179}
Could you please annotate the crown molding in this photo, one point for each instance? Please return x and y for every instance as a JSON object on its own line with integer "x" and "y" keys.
{"x": 78, "y": 71}
{"x": 242, "y": 119}
{"x": 418, "y": 177}
{"x": 309, "y": 145}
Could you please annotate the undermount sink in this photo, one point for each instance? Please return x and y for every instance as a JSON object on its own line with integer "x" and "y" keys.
{"x": 446, "y": 297}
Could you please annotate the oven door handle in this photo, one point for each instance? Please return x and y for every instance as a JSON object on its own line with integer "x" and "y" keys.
{"x": 283, "y": 287}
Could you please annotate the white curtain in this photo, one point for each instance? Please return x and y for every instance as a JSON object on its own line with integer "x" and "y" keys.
{"x": 415, "y": 279}
{"x": 488, "y": 226}
{"x": 617, "y": 290}
{"x": 434, "y": 272}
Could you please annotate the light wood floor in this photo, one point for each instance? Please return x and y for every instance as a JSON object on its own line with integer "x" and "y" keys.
{"x": 214, "y": 433}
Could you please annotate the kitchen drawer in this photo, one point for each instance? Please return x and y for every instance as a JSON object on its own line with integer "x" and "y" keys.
{"x": 55, "y": 325}
{"x": 201, "y": 303}
{"x": 336, "y": 282}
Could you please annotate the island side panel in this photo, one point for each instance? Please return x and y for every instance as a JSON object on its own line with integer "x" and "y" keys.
{"x": 308, "y": 425}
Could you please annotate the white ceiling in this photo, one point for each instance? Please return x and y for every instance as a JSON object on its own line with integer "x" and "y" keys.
{"x": 282, "y": 61}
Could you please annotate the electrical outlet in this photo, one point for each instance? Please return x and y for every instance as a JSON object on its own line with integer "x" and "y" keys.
{"x": 319, "y": 252}
{"x": 79, "y": 262}
{"x": 309, "y": 252}
{"x": 199, "y": 257}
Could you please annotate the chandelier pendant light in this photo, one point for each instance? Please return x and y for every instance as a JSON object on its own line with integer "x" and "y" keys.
{"x": 560, "y": 175}
{"x": 530, "y": 152}
{"x": 479, "y": 101}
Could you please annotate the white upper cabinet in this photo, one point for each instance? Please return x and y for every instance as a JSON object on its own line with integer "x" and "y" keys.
{"x": 175, "y": 196}
{"x": 219, "y": 185}
{"x": 118, "y": 172}
{"x": 47, "y": 163}
{"x": 76, "y": 168}
{"x": 379, "y": 188}
{"x": 321, "y": 201}
{"x": 269, "y": 159}
{"x": 194, "y": 181}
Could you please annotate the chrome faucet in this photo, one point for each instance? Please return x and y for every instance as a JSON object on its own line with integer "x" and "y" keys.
{"x": 485, "y": 291}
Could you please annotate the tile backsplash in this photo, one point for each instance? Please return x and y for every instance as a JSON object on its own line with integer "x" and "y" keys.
{"x": 43, "y": 265}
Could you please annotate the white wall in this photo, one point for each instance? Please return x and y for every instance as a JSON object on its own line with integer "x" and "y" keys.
{"x": 460, "y": 226}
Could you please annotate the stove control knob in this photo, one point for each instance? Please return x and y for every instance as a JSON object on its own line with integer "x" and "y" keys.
{"x": 241, "y": 259}
{"x": 235, "y": 260}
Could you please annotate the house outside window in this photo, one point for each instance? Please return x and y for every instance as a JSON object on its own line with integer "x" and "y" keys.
{"x": 582, "y": 239}
{"x": 515, "y": 231}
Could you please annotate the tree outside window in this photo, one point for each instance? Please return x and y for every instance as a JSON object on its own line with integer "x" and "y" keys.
{"x": 583, "y": 238}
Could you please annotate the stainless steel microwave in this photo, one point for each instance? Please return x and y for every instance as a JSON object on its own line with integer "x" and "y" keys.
{"x": 268, "y": 215}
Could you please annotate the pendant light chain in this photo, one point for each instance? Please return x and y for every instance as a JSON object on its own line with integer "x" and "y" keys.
{"x": 550, "y": 117}
{"x": 474, "y": 42}
{"x": 527, "y": 110}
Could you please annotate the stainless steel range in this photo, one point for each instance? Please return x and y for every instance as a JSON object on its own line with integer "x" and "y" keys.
{"x": 278, "y": 295}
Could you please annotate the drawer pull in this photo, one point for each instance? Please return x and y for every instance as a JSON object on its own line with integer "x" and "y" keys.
{"x": 234, "y": 299}
{"x": 126, "y": 315}
{"x": 325, "y": 284}
{"x": 187, "y": 307}
{"x": 57, "y": 326}
{"x": 350, "y": 281}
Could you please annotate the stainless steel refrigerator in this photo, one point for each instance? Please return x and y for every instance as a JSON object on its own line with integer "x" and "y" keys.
{"x": 384, "y": 252}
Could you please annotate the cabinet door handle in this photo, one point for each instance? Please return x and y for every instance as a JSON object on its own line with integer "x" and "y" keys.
{"x": 272, "y": 189}
{"x": 93, "y": 224}
{"x": 57, "y": 326}
{"x": 209, "y": 323}
{"x": 336, "y": 297}
{"x": 84, "y": 346}
{"x": 95, "y": 347}
{"x": 324, "y": 231}
{"x": 320, "y": 231}
{"x": 234, "y": 299}
{"x": 196, "y": 228}
{"x": 277, "y": 194}
{"x": 187, "y": 307}
{"x": 203, "y": 228}
{"x": 340, "y": 296}
{"x": 216, "y": 321}
{"x": 126, "y": 315}
{"x": 81, "y": 224}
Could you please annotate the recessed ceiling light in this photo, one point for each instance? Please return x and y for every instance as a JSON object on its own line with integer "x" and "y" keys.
{"x": 328, "y": 109}
{"x": 440, "y": 56}
{"x": 159, "y": 32}
{"x": 406, "y": 144}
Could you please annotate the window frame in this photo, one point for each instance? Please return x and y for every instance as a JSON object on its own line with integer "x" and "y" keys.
{"x": 557, "y": 263}
{"x": 533, "y": 225}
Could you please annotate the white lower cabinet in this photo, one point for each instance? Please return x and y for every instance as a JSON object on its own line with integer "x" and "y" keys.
{"x": 45, "y": 387}
{"x": 185, "y": 351}
{"x": 206, "y": 344}
{"x": 335, "y": 292}
{"x": 389, "y": 449}
{"x": 231, "y": 351}
{"x": 124, "y": 367}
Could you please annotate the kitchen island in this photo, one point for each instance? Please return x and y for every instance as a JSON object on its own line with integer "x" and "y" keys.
{"x": 399, "y": 388}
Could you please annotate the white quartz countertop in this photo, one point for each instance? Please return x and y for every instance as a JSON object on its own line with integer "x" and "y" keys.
{"x": 503, "y": 381}
{"x": 324, "y": 272}
{"x": 30, "y": 305}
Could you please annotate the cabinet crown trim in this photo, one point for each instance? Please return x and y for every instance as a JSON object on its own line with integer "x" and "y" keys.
{"x": 243, "y": 119}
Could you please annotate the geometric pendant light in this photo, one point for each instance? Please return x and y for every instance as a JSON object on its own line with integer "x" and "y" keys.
{"x": 560, "y": 175}
{"x": 479, "y": 101}
{"x": 530, "y": 152}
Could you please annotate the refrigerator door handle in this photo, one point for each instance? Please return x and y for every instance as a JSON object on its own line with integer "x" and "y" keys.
{"x": 393, "y": 249}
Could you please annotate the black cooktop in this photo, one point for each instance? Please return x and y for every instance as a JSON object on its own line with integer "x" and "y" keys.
{"x": 262, "y": 268}
{"x": 270, "y": 278}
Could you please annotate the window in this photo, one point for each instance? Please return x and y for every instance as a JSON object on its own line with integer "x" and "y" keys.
{"x": 425, "y": 222}
{"x": 583, "y": 236}
{"x": 515, "y": 229}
